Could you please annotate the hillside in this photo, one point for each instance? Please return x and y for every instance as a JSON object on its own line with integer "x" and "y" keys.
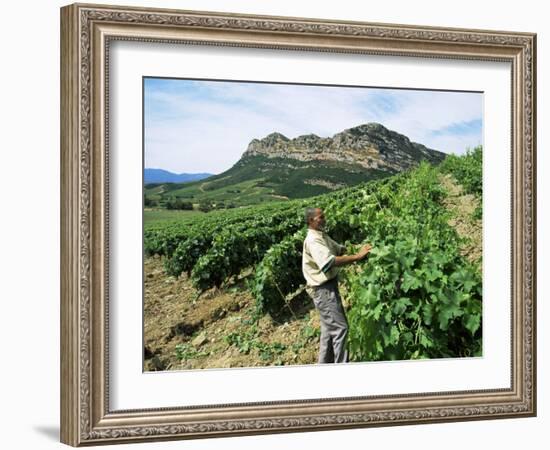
{"x": 276, "y": 167}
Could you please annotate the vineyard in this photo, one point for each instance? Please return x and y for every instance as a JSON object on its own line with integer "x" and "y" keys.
{"x": 416, "y": 296}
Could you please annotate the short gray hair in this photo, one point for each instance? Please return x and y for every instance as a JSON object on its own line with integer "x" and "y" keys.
{"x": 310, "y": 214}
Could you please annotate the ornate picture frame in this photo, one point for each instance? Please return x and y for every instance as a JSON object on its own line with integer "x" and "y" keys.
{"x": 87, "y": 32}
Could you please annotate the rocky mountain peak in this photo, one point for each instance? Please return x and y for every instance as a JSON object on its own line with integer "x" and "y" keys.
{"x": 366, "y": 128}
{"x": 305, "y": 138}
{"x": 369, "y": 145}
{"x": 273, "y": 138}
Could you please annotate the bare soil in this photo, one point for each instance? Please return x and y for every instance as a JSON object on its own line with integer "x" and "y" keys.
{"x": 218, "y": 329}
{"x": 462, "y": 207}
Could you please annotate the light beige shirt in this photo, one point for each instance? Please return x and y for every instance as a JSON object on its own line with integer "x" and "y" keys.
{"x": 318, "y": 257}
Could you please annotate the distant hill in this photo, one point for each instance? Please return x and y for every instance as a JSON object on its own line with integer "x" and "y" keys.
{"x": 163, "y": 176}
{"x": 276, "y": 167}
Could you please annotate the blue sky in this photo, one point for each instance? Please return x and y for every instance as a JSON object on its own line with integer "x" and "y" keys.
{"x": 205, "y": 126}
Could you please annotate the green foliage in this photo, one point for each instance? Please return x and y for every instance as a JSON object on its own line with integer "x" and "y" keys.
{"x": 241, "y": 246}
{"x": 478, "y": 213}
{"x": 205, "y": 206}
{"x": 162, "y": 236}
{"x": 187, "y": 253}
{"x": 278, "y": 274}
{"x": 467, "y": 170}
{"x": 149, "y": 202}
{"x": 258, "y": 179}
{"x": 250, "y": 341}
{"x": 414, "y": 297}
{"x": 185, "y": 352}
{"x": 162, "y": 242}
{"x": 176, "y": 203}
{"x": 155, "y": 218}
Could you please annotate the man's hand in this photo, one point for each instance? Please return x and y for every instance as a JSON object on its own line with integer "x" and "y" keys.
{"x": 349, "y": 259}
{"x": 363, "y": 252}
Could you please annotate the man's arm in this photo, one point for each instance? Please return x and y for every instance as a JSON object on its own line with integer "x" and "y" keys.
{"x": 350, "y": 259}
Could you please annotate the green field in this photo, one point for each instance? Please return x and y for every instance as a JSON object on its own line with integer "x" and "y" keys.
{"x": 259, "y": 180}
{"x": 248, "y": 192}
{"x": 159, "y": 216}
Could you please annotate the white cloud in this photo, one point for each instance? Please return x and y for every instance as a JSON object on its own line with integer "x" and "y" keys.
{"x": 423, "y": 113}
{"x": 207, "y": 130}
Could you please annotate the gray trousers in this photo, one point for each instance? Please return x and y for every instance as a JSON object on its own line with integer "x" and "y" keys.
{"x": 334, "y": 326}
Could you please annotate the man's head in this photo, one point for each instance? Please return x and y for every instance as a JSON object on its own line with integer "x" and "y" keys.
{"x": 315, "y": 219}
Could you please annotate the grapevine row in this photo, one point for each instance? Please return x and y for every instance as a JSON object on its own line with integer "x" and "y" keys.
{"x": 416, "y": 297}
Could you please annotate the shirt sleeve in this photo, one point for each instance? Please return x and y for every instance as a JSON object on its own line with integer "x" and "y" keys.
{"x": 321, "y": 254}
{"x": 341, "y": 249}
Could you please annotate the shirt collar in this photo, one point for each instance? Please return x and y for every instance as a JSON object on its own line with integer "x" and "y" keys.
{"x": 315, "y": 232}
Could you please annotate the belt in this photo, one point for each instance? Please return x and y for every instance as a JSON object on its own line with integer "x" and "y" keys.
{"x": 326, "y": 283}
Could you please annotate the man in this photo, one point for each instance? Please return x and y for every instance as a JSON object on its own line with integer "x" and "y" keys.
{"x": 321, "y": 260}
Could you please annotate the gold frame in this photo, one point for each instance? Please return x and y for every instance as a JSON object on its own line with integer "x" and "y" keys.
{"x": 86, "y": 31}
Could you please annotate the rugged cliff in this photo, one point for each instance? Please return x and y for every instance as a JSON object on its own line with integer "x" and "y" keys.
{"x": 370, "y": 146}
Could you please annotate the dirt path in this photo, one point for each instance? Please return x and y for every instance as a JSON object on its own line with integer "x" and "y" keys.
{"x": 283, "y": 197}
{"x": 462, "y": 207}
{"x": 218, "y": 329}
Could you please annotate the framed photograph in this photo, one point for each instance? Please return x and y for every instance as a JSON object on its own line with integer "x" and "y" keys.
{"x": 276, "y": 224}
